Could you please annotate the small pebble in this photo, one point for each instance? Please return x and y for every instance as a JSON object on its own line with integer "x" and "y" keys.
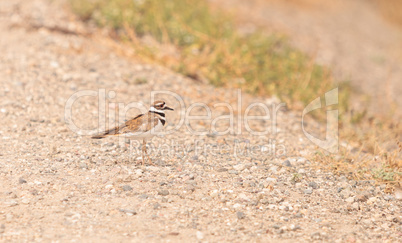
{"x": 313, "y": 185}
{"x": 355, "y": 206}
{"x": 157, "y": 206}
{"x": 128, "y": 211}
{"x": 301, "y": 171}
{"x": 143, "y": 196}
{"x": 83, "y": 166}
{"x": 361, "y": 198}
{"x": 163, "y": 192}
{"x": 127, "y": 188}
{"x": 22, "y": 180}
{"x": 295, "y": 227}
{"x": 287, "y": 163}
{"x": 233, "y": 172}
{"x": 222, "y": 169}
{"x": 240, "y": 215}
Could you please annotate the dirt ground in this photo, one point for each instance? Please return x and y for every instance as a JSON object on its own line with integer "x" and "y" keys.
{"x": 59, "y": 185}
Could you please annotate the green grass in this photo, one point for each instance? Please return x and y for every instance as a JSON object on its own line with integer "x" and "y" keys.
{"x": 210, "y": 47}
{"x": 385, "y": 174}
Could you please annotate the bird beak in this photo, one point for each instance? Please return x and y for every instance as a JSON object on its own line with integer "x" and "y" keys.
{"x": 168, "y": 108}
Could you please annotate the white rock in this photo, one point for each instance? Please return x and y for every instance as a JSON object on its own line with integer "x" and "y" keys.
{"x": 269, "y": 179}
{"x": 9, "y": 217}
{"x": 214, "y": 193}
{"x": 25, "y": 201}
{"x": 237, "y": 205}
{"x": 301, "y": 160}
{"x": 272, "y": 206}
{"x": 54, "y": 64}
{"x": 350, "y": 200}
{"x": 139, "y": 172}
{"x": 239, "y": 167}
{"x": 346, "y": 193}
{"x": 199, "y": 235}
{"x": 243, "y": 196}
{"x": 371, "y": 200}
{"x": 273, "y": 168}
{"x": 12, "y": 203}
{"x": 398, "y": 193}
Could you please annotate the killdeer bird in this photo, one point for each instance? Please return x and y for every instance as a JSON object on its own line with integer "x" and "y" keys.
{"x": 143, "y": 126}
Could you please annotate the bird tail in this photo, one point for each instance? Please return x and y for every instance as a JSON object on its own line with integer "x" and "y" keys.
{"x": 99, "y": 136}
{"x": 113, "y": 131}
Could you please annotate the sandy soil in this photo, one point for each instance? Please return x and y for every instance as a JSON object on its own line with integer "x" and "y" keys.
{"x": 59, "y": 185}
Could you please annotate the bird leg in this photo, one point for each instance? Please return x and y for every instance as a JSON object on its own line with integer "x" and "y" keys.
{"x": 144, "y": 147}
{"x": 144, "y": 150}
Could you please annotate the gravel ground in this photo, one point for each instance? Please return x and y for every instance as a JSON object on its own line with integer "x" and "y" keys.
{"x": 59, "y": 185}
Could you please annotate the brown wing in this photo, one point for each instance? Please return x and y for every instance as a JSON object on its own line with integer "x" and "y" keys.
{"x": 139, "y": 124}
{"x": 152, "y": 121}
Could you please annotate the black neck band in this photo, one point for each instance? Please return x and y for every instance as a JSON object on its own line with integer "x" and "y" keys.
{"x": 163, "y": 121}
{"x": 159, "y": 113}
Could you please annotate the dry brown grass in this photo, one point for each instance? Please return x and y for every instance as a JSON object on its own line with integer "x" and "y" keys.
{"x": 370, "y": 149}
{"x": 384, "y": 167}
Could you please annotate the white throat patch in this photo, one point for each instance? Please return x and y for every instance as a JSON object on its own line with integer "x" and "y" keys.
{"x": 153, "y": 109}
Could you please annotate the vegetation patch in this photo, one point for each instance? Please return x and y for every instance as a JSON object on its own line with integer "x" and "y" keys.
{"x": 208, "y": 46}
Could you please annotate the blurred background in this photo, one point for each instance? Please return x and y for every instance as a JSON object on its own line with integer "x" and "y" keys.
{"x": 360, "y": 40}
{"x": 292, "y": 49}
